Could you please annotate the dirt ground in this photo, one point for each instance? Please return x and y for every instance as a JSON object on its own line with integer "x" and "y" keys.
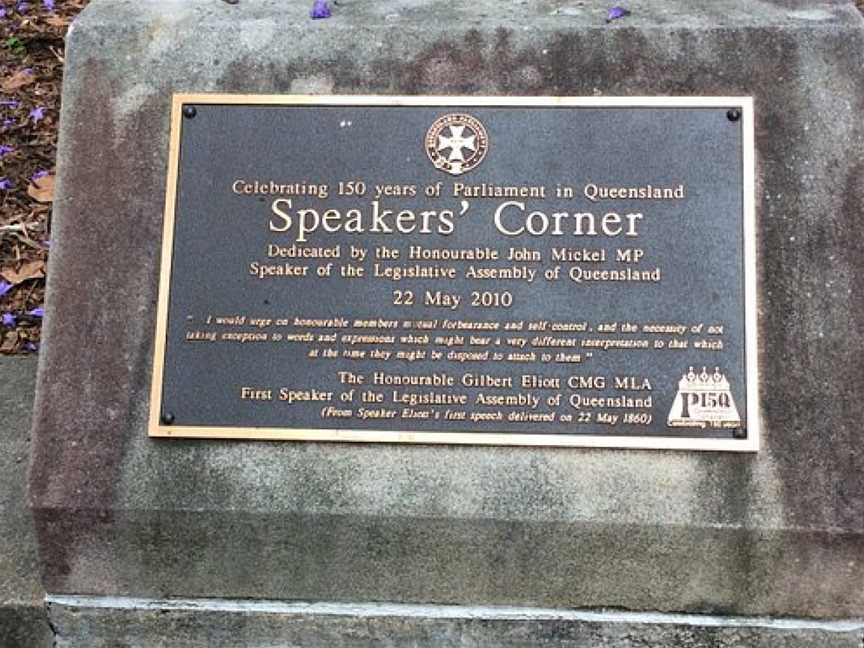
{"x": 32, "y": 34}
{"x": 31, "y": 70}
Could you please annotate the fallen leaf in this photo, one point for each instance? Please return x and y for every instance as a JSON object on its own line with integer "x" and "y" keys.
{"x": 42, "y": 190}
{"x": 30, "y": 270}
{"x": 10, "y": 340}
{"x": 57, "y": 21}
{"x": 18, "y": 80}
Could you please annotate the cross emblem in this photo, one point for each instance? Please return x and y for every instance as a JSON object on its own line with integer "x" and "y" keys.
{"x": 456, "y": 142}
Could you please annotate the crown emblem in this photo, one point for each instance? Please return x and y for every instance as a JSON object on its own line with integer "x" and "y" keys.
{"x": 704, "y": 400}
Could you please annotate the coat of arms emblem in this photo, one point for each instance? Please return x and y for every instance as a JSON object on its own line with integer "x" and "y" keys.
{"x": 456, "y": 143}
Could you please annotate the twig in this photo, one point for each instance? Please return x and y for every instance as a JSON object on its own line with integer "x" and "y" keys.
{"x": 21, "y": 227}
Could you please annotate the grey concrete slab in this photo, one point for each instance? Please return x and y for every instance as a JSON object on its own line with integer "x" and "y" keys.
{"x": 104, "y": 623}
{"x": 23, "y": 618}
{"x": 778, "y": 533}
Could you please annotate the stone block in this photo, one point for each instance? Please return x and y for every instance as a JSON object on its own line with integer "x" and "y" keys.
{"x": 83, "y": 623}
{"x": 775, "y": 533}
{"x": 23, "y": 617}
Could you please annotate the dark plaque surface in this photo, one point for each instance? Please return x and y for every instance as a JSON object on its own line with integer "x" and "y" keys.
{"x": 459, "y": 270}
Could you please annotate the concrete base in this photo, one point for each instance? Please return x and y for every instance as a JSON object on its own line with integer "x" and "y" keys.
{"x": 96, "y": 622}
{"x": 778, "y": 533}
{"x": 23, "y": 622}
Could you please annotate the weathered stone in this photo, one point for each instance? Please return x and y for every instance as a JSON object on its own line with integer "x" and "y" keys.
{"x": 218, "y": 624}
{"x": 778, "y": 533}
{"x": 23, "y": 618}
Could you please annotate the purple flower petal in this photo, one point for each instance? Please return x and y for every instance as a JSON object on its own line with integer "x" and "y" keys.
{"x": 5, "y": 150}
{"x": 47, "y": 244}
{"x": 22, "y": 7}
{"x": 41, "y": 173}
{"x": 320, "y": 9}
{"x": 9, "y": 320}
{"x": 37, "y": 312}
{"x": 37, "y": 113}
{"x": 617, "y": 12}
{"x": 5, "y": 183}
{"x": 2, "y": 13}
{"x": 7, "y": 123}
{"x": 48, "y": 4}
{"x": 5, "y": 287}
{"x": 11, "y": 103}
{"x": 31, "y": 347}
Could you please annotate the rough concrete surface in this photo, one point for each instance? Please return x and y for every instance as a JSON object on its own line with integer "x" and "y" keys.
{"x": 23, "y": 618}
{"x": 777, "y": 533}
{"x": 194, "y": 624}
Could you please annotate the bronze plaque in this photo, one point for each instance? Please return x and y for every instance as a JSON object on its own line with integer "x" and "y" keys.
{"x": 522, "y": 271}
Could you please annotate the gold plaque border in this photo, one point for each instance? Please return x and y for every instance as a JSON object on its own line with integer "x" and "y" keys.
{"x": 750, "y": 444}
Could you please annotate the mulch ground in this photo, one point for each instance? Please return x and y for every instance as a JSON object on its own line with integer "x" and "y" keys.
{"x": 31, "y": 71}
{"x": 32, "y": 33}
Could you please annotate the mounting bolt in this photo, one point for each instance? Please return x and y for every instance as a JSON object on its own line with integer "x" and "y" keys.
{"x": 189, "y": 112}
{"x": 167, "y": 418}
{"x": 733, "y": 114}
{"x": 739, "y": 433}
